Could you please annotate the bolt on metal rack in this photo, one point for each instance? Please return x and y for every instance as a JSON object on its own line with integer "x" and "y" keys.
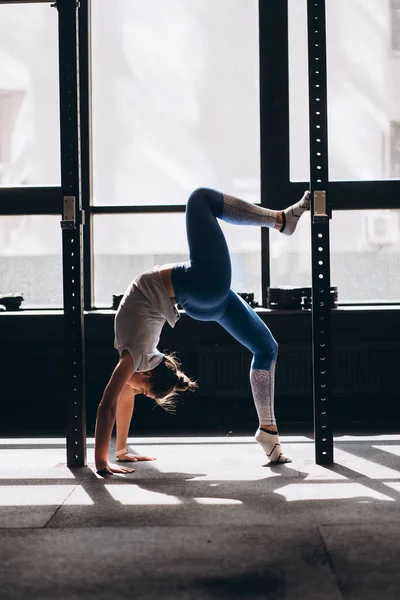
{"x": 72, "y": 235}
{"x": 320, "y": 216}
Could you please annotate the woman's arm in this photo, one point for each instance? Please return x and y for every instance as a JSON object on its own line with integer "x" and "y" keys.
{"x": 125, "y": 406}
{"x": 106, "y": 413}
{"x": 126, "y": 403}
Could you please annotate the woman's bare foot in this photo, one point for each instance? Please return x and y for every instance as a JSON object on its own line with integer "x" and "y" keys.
{"x": 124, "y": 456}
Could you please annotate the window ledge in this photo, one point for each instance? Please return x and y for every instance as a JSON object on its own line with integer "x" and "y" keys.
{"x": 108, "y": 311}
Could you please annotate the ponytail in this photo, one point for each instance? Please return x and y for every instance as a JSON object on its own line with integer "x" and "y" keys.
{"x": 167, "y": 379}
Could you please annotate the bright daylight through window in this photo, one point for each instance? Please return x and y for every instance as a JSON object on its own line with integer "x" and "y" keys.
{"x": 175, "y": 107}
{"x": 30, "y": 246}
{"x": 363, "y": 113}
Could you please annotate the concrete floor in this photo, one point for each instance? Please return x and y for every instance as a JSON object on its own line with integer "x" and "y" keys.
{"x": 207, "y": 520}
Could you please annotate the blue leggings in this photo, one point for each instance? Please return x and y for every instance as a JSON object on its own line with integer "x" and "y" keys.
{"x": 202, "y": 285}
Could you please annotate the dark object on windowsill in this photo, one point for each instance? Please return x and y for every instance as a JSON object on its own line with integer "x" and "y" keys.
{"x": 249, "y": 298}
{"x": 116, "y": 301}
{"x": 295, "y": 298}
{"x": 11, "y": 301}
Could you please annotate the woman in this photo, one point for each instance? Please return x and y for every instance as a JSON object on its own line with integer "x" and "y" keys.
{"x": 202, "y": 287}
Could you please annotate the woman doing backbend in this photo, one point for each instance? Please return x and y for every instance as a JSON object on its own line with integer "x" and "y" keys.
{"x": 202, "y": 286}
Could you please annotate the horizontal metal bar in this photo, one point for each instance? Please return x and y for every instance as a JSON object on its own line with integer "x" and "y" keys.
{"x": 30, "y": 200}
{"x": 343, "y": 195}
{"x": 26, "y": 2}
{"x": 353, "y": 195}
{"x": 156, "y": 208}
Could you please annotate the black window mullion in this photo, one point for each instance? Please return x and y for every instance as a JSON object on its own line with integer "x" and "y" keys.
{"x": 26, "y": 2}
{"x": 86, "y": 146}
{"x": 274, "y": 122}
{"x": 137, "y": 209}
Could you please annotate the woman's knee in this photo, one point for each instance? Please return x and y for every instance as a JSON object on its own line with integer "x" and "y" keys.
{"x": 264, "y": 356}
{"x": 206, "y": 196}
{"x": 197, "y": 196}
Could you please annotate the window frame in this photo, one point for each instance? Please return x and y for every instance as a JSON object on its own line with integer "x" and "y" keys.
{"x": 274, "y": 149}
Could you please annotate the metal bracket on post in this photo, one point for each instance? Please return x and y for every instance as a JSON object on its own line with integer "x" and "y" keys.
{"x": 71, "y": 216}
{"x": 69, "y": 220}
{"x": 320, "y": 214}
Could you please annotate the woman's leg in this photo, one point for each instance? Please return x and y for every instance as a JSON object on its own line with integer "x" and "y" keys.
{"x": 206, "y": 241}
{"x": 239, "y": 212}
{"x": 241, "y": 321}
{"x": 202, "y": 285}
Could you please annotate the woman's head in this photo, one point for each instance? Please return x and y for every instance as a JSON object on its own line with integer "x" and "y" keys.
{"x": 167, "y": 379}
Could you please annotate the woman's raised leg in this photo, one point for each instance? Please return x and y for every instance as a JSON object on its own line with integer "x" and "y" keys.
{"x": 208, "y": 250}
{"x": 239, "y": 212}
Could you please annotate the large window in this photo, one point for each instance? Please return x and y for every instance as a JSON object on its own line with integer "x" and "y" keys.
{"x": 30, "y": 259}
{"x": 175, "y": 107}
{"x": 363, "y": 89}
{"x": 175, "y": 99}
{"x": 29, "y": 106}
{"x": 30, "y": 245}
{"x": 363, "y": 114}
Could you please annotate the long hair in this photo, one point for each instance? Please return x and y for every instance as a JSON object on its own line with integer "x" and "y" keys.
{"x": 167, "y": 379}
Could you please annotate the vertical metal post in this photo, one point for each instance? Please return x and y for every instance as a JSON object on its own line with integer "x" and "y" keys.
{"x": 71, "y": 224}
{"x": 320, "y": 215}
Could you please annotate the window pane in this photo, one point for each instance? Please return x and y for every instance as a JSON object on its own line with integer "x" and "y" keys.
{"x": 175, "y": 99}
{"x": 363, "y": 90}
{"x": 291, "y": 256}
{"x": 365, "y": 256}
{"x": 29, "y": 106}
{"x": 30, "y": 259}
{"x": 144, "y": 240}
{"x": 299, "y": 136}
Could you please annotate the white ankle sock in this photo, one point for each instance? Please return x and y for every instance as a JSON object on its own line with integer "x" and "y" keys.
{"x": 271, "y": 446}
{"x": 292, "y": 214}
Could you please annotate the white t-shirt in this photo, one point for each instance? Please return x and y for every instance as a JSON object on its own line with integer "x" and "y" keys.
{"x": 140, "y": 318}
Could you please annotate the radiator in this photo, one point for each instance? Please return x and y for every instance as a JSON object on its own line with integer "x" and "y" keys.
{"x": 357, "y": 368}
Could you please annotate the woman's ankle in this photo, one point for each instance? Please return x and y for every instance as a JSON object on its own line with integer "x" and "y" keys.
{"x": 121, "y": 452}
{"x": 279, "y": 220}
{"x": 269, "y": 427}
